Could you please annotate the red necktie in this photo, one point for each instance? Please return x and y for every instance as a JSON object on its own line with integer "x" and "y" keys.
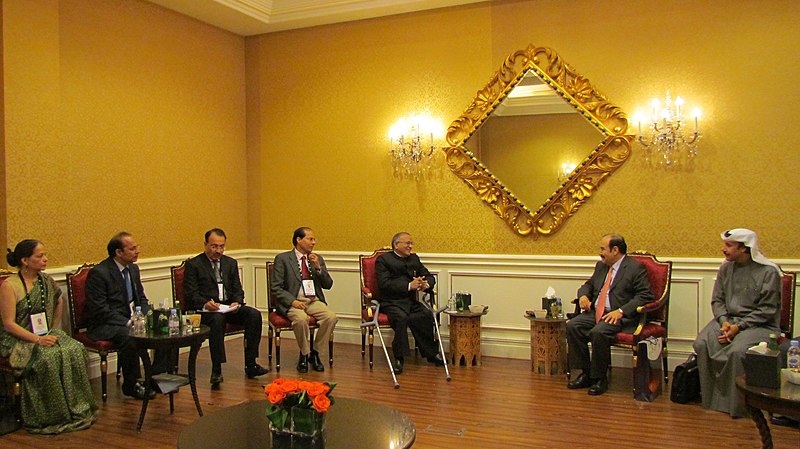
{"x": 601, "y": 300}
{"x": 304, "y": 268}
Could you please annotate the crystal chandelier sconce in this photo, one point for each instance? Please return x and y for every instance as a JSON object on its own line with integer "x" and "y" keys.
{"x": 565, "y": 170}
{"x": 666, "y": 140}
{"x": 411, "y": 145}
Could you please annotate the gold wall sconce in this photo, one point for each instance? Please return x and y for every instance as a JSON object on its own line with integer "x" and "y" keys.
{"x": 412, "y": 142}
{"x": 666, "y": 141}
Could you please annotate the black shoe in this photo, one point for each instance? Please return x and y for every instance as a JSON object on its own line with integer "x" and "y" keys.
{"x": 582, "y": 381}
{"x": 139, "y": 391}
{"x": 599, "y": 387}
{"x": 255, "y": 370}
{"x": 398, "y": 365}
{"x": 216, "y": 379}
{"x": 436, "y": 360}
{"x": 316, "y": 363}
{"x": 780, "y": 420}
{"x": 302, "y": 364}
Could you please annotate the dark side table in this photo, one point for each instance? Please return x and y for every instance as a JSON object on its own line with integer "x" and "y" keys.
{"x": 784, "y": 401}
{"x": 169, "y": 383}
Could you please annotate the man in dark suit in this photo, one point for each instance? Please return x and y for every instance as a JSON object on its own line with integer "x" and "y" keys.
{"x": 211, "y": 284}
{"x": 400, "y": 276}
{"x": 608, "y": 302}
{"x": 113, "y": 289}
{"x": 298, "y": 279}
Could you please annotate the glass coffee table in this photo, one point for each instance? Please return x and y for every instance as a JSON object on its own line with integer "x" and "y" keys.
{"x": 784, "y": 401}
{"x": 350, "y": 424}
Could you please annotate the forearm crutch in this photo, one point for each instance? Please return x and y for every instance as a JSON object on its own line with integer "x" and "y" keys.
{"x": 436, "y": 313}
{"x": 374, "y": 315}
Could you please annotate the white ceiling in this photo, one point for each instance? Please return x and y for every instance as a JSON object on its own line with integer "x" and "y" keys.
{"x": 251, "y": 17}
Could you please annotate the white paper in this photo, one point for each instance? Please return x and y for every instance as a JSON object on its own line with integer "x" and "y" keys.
{"x": 760, "y": 348}
{"x": 551, "y": 293}
{"x": 223, "y": 308}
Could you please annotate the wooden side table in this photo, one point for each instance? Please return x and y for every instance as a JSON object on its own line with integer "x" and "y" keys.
{"x": 548, "y": 345}
{"x": 465, "y": 338}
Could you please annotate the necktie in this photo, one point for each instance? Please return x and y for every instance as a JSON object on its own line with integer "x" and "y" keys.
{"x": 304, "y": 273}
{"x": 600, "y": 309}
{"x": 126, "y": 275}
{"x": 217, "y": 274}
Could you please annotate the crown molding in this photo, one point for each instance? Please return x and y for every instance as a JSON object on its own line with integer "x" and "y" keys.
{"x": 252, "y": 17}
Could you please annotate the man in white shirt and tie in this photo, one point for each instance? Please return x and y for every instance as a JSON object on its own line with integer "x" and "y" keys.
{"x": 298, "y": 280}
{"x": 608, "y": 302}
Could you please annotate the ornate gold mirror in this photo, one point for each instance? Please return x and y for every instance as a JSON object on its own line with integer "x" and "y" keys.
{"x": 534, "y": 117}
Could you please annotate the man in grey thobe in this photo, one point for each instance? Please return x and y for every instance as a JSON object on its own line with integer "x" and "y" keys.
{"x": 746, "y": 307}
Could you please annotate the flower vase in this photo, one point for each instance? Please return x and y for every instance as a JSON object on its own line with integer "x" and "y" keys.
{"x": 306, "y": 422}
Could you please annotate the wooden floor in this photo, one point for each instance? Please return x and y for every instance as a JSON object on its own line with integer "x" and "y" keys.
{"x": 501, "y": 404}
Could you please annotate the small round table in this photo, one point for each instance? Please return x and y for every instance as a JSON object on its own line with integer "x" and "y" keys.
{"x": 465, "y": 337}
{"x": 548, "y": 345}
{"x": 784, "y": 401}
{"x": 169, "y": 383}
{"x": 350, "y": 424}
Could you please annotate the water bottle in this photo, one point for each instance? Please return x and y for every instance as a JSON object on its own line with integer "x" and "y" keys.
{"x": 137, "y": 323}
{"x": 174, "y": 324}
{"x": 451, "y": 304}
{"x": 793, "y": 355}
{"x": 560, "y": 309}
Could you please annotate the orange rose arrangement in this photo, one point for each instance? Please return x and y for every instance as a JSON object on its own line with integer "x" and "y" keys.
{"x": 296, "y": 406}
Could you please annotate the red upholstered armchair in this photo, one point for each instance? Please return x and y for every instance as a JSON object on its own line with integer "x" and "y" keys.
{"x": 370, "y": 292}
{"x": 76, "y": 295}
{"x": 279, "y": 323}
{"x": 5, "y": 366}
{"x": 653, "y": 316}
{"x": 788, "y": 286}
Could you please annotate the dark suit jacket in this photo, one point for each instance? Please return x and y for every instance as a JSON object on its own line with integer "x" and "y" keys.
{"x": 395, "y": 273}
{"x": 629, "y": 290}
{"x": 286, "y": 280}
{"x": 107, "y": 298}
{"x": 200, "y": 284}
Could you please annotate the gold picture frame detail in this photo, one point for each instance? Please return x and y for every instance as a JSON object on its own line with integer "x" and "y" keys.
{"x": 604, "y": 159}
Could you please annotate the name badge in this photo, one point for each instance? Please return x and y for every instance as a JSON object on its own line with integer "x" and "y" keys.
{"x": 221, "y": 291}
{"x": 308, "y": 288}
{"x": 39, "y": 323}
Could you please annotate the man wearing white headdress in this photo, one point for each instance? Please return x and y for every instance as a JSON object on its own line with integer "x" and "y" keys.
{"x": 746, "y": 307}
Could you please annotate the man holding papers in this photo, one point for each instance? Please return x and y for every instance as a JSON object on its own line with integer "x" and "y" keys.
{"x": 211, "y": 283}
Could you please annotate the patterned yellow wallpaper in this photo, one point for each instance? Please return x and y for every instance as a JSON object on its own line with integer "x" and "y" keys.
{"x": 122, "y": 115}
{"x": 329, "y": 94}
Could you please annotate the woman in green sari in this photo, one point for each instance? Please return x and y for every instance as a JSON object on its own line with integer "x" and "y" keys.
{"x": 56, "y": 395}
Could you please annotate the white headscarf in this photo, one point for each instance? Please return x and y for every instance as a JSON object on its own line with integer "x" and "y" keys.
{"x": 750, "y": 240}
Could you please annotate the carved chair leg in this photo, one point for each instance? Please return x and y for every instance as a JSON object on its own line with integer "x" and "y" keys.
{"x": 363, "y": 341}
{"x": 103, "y": 374}
{"x": 269, "y": 340}
{"x": 330, "y": 350}
{"x": 371, "y": 345}
{"x": 278, "y": 351}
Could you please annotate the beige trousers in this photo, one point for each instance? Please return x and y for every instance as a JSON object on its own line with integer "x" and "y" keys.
{"x": 326, "y": 319}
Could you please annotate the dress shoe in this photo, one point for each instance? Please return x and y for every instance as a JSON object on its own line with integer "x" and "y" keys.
{"x": 255, "y": 370}
{"x": 436, "y": 360}
{"x": 780, "y": 420}
{"x": 302, "y": 364}
{"x": 139, "y": 391}
{"x": 398, "y": 365}
{"x": 582, "y": 381}
{"x": 599, "y": 387}
{"x": 316, "y": 363}
{"x": 216, "y": 379}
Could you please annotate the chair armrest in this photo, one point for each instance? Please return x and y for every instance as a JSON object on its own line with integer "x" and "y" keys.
{"x": 650, "y": 307}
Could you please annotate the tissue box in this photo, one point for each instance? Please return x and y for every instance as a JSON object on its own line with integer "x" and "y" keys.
{"x": 763, "y": 370}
